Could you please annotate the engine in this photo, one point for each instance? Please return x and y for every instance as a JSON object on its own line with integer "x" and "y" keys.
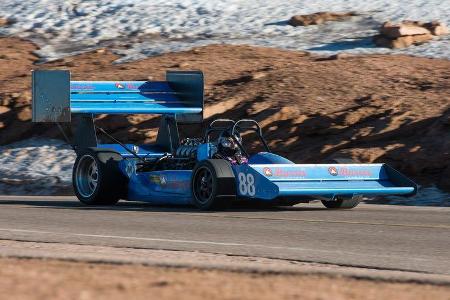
{"x": 184, "y": 158}
{"x": 188, "y": 148}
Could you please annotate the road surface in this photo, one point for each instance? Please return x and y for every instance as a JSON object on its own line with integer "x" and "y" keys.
{"x": 370, "y": 236}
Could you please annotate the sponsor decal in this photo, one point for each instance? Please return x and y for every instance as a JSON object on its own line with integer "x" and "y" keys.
{"x": 267, "y": 172}
{"x": 129, "y": 169}
{"x": 156, "y": 179}
{"x": 170, "y": 182}
{"x": 132, "y": 86}
{"x": 333, "y": 171}
{"x": 344, "y": 171}
{"x": 280, "y": 172}
{"x": 178, "y": 185}
{"x": 347, "y": 172}
{"x": 81, "y": 87}
{"x": 127, "y": 85}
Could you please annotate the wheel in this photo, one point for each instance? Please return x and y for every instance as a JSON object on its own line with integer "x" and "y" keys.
{"x": 96, "y": 177}
{"x": 213, "y": 184}
{"x": 342, "y": 202}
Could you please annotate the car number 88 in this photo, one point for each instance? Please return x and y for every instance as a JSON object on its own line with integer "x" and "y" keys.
{"x": 246, "y": 184}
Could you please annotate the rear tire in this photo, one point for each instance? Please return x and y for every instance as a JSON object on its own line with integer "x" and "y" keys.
{"x": 213, "y": 185}
{"x": 342, "y": 202}
{"x": 96, "y": 177}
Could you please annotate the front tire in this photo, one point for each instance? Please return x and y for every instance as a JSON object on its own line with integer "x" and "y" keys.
{"x": 96, "y": 177}
{"x": 213, "y": 184}
{"x": 343, "y": 202}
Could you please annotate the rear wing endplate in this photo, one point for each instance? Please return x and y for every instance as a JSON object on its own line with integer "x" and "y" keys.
{"x": 56, "y": 97}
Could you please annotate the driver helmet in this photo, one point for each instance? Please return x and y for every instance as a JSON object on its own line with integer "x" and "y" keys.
{"x": 228, "y": 146}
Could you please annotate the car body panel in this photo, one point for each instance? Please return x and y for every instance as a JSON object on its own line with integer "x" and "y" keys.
{"x": 267, "y": 182}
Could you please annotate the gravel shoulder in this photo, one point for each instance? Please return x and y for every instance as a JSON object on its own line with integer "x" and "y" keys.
{"x": 52, "y": 279}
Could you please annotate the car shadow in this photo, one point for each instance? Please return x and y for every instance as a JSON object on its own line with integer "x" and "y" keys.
{"x": 147, "y": 207}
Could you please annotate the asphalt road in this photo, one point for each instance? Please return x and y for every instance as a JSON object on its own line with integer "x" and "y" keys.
{"x": 373, "y": 236}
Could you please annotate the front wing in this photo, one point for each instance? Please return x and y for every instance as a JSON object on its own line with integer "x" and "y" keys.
{"x": 270, "y": 181}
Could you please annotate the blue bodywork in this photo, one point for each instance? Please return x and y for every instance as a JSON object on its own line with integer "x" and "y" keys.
{"x": 267, "y": 177}
{"x": 264, "y": 176}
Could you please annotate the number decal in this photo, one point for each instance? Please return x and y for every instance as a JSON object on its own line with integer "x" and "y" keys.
{"x": 251, "y": 185}
{"x": 242, "y": 184}
{"x": 246, "y": 184}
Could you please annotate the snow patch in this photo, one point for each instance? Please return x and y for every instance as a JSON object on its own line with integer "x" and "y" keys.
{"x": 140, "y": 29}
{"x": 36, "y": 167}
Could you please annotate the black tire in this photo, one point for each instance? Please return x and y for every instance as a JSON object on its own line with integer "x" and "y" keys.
{"x": 96, "y": 177}
{"x": 213, "y": 184}
{"x": 342, "y": 202}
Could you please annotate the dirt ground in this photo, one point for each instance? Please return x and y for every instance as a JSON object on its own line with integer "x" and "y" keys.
{"x": 47, "y": 279}
{"x": 377, "y": 108}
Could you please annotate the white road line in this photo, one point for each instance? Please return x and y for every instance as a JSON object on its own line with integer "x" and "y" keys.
{"x": 201, "y": 242}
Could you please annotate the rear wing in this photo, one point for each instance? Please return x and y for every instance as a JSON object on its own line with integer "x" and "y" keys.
{"x": 56, "y": 97}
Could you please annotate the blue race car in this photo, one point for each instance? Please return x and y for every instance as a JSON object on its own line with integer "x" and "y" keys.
{"x": 210, "y": 172}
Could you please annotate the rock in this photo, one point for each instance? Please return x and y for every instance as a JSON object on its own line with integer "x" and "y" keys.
{"x": 4, "y": 109}
{"x": 15, "y": 95}
{"x": 125, "y": 46}
{"x": 69, "y": 64}
{"x": 408, "y": 33}
{"x": 5, "y": 22}
{"x": 421, "y": 38}
{"x": 395, "y": 31}
{"x": 334, "y": 57}
{"x": 26, "y": 95}
{"x": 401, "y": 42}
{"x": 436, "y": 28}
{"x": 101, "y": 50}
{"x": 258, "y": 75}
{"x": 183, "y": 65}
{"x": 4, "y": 101}
{"x": 382, "y": 41}
{"x": 409, "y": 27}
{"x": 180, "y": 65}
{"x": 318, "y": 18}
{"x": 339, "y": 56}
{"x": 24, "y": 114}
